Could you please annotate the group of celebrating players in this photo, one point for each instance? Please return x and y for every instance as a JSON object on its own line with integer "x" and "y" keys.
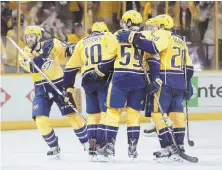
{"x": 114, "y": 69}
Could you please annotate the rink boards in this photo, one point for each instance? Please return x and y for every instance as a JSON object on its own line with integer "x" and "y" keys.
{"x": 17, "y": 94}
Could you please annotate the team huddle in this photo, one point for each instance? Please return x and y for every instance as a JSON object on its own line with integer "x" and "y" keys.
{"x": 135, "y": 69}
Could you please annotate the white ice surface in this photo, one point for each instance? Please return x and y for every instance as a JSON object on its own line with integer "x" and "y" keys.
{"x": 26, "y": 150}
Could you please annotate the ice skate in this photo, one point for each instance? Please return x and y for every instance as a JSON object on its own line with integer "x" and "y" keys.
{"x": 86, "y": 146}
{"x": 92, "y": 150}
{"x": 54, "y": 152}
{"x": 101, "y": 153}
{"x": 110, "y": 151}
{"x": 132, "y": 152}
{"x": 167, "y": 154}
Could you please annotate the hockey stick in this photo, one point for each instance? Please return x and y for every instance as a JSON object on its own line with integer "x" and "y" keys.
{"x": 190, "y": 142}
{"x": 47, "y": 79}
{"x": 181, "y": 154}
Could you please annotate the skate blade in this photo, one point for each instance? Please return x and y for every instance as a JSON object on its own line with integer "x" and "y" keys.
{"x": 111, "y": 158}
{"x": 172, "y": 158}
{"x": 55, "y": 157}
{"x": 133, "y": 159}
{"x": 103, "y": 158}
{"x": 162, "y": 159}
{"x": 150, "y": 134}
{"x": 176, "y": 158}
{"x": 93, "y": 158}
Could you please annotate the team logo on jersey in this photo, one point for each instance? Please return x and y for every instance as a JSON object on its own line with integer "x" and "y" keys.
{"x": 35, "y": 107}
{"x": 4, "y": 97}
{"x": 48, "y": 64}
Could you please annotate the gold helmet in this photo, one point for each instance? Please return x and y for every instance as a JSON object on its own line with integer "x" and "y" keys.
{"x": 151, "y": 24}
{"x": 131, "y": 18}
{"x": 165, "y": 20}
{"x": 99, "y": 27}
{"x": 34, "y": 30}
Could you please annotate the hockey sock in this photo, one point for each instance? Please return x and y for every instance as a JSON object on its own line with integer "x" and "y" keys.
{"x": 178, "y": 120}
{"x": 100, "y": 137}
{"x": 163, "y": 133}
{"x": 133, "y": 122}
{"x": 78, "y": 126}
{"x": 48, "y": 134}
{"x": 112, "y": 124}
{"x": 93, "y": 121}
{"x": 50, "y": 139}
{"x": 82, "y": 134}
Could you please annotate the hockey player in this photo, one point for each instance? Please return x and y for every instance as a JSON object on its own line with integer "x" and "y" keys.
{"x": 126, "y": 88}
{"x": 167, "y": 81}
{"x": 46, "y": 55}
{"x": 150, "y": 27}
{"x": 89, "y": 52}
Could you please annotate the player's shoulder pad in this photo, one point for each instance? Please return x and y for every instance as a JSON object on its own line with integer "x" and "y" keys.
{"x": 47, "y": 43}
{"x": 160, "y": 34}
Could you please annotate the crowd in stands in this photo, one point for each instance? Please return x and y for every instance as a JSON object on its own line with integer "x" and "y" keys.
{"x": 65, "y": 20}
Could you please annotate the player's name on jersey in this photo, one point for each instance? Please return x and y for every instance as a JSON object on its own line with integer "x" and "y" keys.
{"x": 178, "y": 40}
{"x": 91, "y": 40}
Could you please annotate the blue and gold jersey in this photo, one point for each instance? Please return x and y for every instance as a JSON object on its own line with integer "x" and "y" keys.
{"x": 168, "y": 50}
{"x": 171, "y": 51}
{"x": 89, "y": 52}
{"x": 128, "y": 72}
{"x": 51, "y": 67}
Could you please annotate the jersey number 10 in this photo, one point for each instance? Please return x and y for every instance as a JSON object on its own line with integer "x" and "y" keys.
{"x": 93, "y": 54}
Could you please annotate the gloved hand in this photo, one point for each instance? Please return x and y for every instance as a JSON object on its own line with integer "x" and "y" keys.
{"x": 97, "y": 75}
{"x": 189, "y": 93}
{"x": 68, "y": 94}
{"x": 154, "y": 86}
{"x": 70, "y": 49}
{"x": 128, "y": 36}
{"x": 123, "y": 35}
{"x": 47, "y": 48}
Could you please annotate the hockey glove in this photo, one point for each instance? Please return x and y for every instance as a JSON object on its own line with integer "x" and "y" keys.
{"x": 123, "y": 35}
{"x": 68, "y": 94}
{"x": 189, "y": 93}
{"x": 128, "y": 36}
{"x": 70, "y": 49}
{"x": 96, "y": 74}
{"x": 154, "y": 86}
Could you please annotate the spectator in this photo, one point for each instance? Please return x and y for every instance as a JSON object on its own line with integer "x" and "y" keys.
{"x": 105, "y": 13}
{"x": 147, "y": 11}
{"x": 3, "y": 55}
{"x": 186, "y": 20}
{"x": 205, "y": 8}
{"x": 133, "y": 5}
{"x": 209, "y": 36}
{"x": 77, "y": 34}
{"x": 34, "y": 13}
{"x": 77, "y": 9}
{"x": 116, "y": 14}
